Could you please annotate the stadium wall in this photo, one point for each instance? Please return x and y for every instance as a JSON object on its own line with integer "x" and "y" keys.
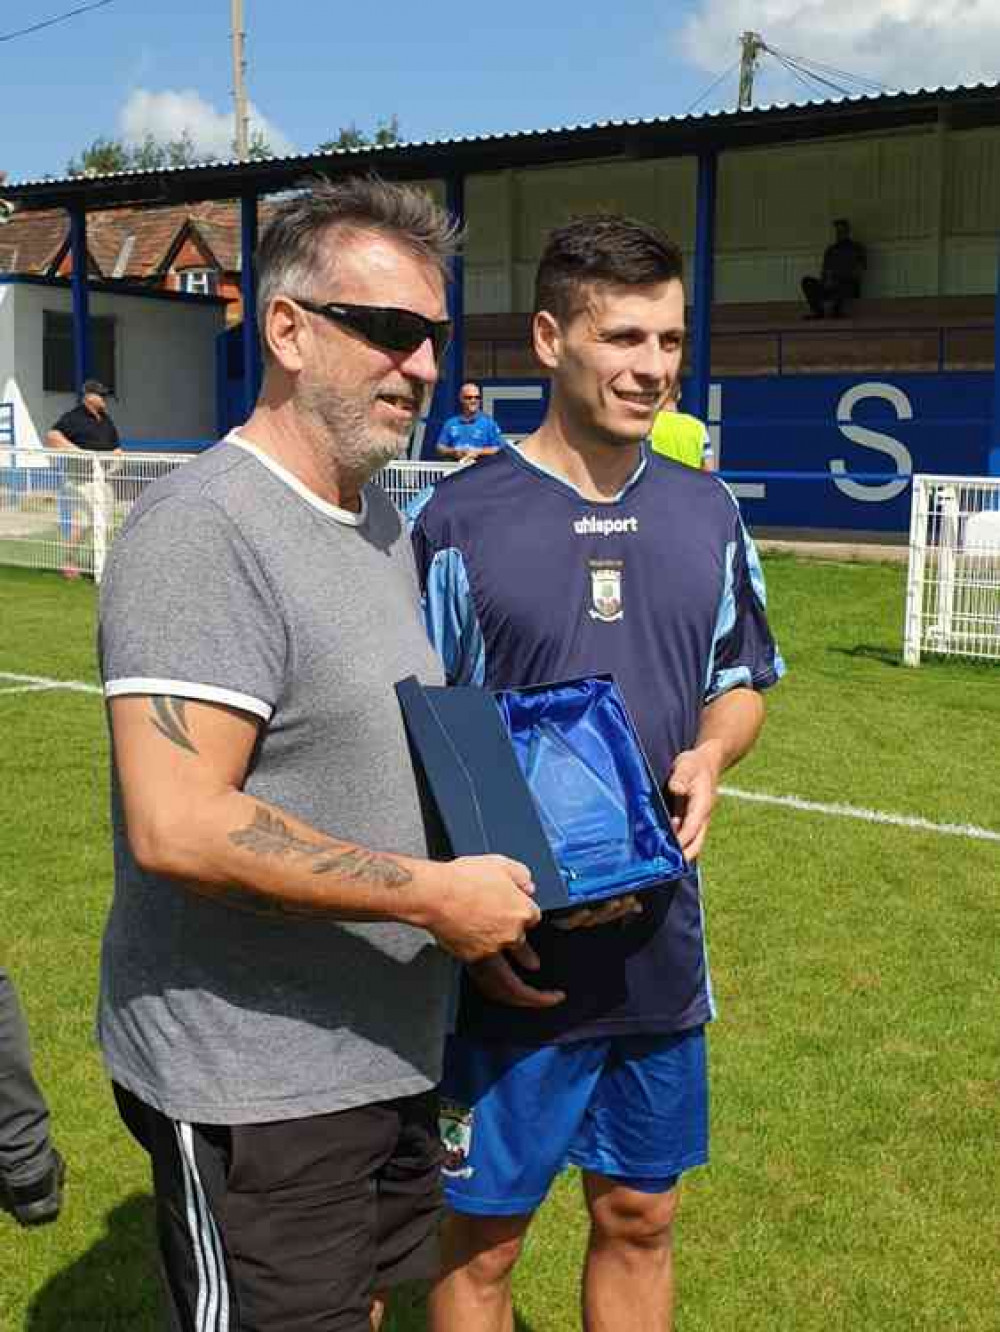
{"x": 821, "y": 452}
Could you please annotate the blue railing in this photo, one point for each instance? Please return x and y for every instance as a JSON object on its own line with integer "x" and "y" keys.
{"x": 7, "y": 439}
{"x": 863, "y": 478}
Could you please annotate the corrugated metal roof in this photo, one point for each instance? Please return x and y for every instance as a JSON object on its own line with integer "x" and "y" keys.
{"x": 416, "y": 148}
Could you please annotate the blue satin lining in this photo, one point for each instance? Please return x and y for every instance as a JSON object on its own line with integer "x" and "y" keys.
{"x": 576, "y": 746}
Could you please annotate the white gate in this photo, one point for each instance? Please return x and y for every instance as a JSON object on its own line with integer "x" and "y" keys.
{"x": 953, "y": 586}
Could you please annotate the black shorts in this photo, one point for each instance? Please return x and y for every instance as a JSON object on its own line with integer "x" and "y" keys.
{"x": 292, "y": 1226}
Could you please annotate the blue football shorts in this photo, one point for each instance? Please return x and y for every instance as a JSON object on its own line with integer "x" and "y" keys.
{"x": 632, "y": 1108}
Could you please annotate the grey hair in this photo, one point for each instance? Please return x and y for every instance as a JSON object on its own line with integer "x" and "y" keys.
{"x": 290, "y": 257}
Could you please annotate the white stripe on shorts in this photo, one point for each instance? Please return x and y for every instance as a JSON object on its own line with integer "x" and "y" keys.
{"x": 212, "y": 1313}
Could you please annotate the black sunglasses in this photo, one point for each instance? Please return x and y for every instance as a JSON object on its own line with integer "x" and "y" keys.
{"x": 385, "y": 326}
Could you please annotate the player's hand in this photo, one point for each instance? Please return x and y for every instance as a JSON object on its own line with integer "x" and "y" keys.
{"x": 498, "y": 980}
{"x": 615, "y": 908}
{"x": 694, "y": 786}
{"x": 483, "y": 905}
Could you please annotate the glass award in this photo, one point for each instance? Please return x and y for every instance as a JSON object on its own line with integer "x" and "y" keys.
{"x": 584, "y": 814}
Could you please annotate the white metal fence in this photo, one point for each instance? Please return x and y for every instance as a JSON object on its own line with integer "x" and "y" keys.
{"x": 403, "y": 481}
{"x": 953, "y": 586}
{"x": 63, "y": 510}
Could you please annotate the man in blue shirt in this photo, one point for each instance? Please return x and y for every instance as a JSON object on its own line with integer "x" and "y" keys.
{"x": 471, "y": 434}
{"x": 577, "y": 553}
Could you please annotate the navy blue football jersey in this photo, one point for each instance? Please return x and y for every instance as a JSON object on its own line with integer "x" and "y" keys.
{"x": 526, "y": 582}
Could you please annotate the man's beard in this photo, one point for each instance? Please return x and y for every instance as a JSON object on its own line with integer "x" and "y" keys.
{"x": 358, "y": 448}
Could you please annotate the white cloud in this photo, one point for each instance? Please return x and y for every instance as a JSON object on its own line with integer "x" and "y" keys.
{"x": 902, "y": 43}
{"x": 166, "y": 115}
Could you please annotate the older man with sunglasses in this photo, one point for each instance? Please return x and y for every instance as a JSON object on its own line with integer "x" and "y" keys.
{"x": 279, "y": 953}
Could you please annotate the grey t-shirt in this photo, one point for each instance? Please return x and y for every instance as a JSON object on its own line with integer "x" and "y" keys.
{"x": 231, "y": 582}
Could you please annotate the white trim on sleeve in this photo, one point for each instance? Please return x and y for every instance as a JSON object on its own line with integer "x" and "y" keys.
{"x": 231, "y": 698}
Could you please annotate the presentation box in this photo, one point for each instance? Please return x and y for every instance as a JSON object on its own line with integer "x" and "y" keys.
{"x": 552, "y": 775}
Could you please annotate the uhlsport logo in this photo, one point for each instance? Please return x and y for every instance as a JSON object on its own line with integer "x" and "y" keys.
{"x": 455, "y": 1128}
{"x": 606, "y": 590}
{"x": 594, "y": 526}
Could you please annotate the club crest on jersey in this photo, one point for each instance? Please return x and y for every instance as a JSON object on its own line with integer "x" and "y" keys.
{"x": 606, "y": 590}
{"x": 455, "y": 1128}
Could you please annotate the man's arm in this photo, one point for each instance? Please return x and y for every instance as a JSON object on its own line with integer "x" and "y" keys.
{"x": 182, "y": 766}
{"x": 445, "y": 446}
{"x": 729, "y": 728}
{"x": 496, "y": 440}
{"x": 55, "y": 439}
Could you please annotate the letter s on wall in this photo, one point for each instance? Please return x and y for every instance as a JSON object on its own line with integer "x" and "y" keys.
{"x": 873, "y": 492}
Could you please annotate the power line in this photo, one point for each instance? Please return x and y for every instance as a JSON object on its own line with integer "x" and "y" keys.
{"x": 48, "y": 23}
{"x": 834, "y": 72}
{"x": 810, "y": 89}
{"x": 815, "y": 81}
{"x": 820, "y": 79}
{"x": 711, "y": 87}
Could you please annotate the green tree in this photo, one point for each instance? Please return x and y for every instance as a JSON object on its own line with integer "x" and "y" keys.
{"x": 107, "y": 155}
{"x": 386, "y": 133}
{"x": 100, "y": 158}
{"x": 258, "y": 147}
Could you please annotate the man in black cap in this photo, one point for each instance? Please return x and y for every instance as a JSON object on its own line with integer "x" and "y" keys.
{"x": 844, "y": 262}
{"x": 87, "y": 428}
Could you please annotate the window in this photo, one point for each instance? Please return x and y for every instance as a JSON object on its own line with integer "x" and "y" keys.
{"x": 198, "y": 281}
{"x": 57, "y": 351}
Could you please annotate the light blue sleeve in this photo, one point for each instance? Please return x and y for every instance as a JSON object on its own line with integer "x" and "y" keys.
{"x": 496, "y": 434}
{"x": 744, "y": 653}
{"x": 452, "y": 624}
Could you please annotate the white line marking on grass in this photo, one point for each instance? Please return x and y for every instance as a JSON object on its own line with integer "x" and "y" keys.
{"x": 29, "y": 684}
{"x": 969, "y": 830}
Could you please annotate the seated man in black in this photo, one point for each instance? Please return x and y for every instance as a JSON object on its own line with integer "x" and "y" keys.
{"x": 843, "y": 264}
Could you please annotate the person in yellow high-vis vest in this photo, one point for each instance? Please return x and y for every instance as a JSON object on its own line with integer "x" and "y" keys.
{"x": 680, "y": 436}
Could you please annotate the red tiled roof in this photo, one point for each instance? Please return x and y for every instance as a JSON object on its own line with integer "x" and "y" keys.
{"x": 31, "y": 241}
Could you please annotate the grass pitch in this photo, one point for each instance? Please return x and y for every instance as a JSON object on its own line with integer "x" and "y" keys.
{"x": 855, "y": 1181}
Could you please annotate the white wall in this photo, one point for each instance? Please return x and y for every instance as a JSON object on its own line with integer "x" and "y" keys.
{"x": 165, "y": 362}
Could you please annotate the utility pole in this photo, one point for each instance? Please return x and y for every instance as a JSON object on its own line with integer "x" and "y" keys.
{"x": 752, "y": 43}
{"x": 242, "y": 136}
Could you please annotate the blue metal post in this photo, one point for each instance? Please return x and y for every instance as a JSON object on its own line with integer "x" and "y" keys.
{"x": 704, "y": 268}
{"x": 248, "y": 292}
{"x": 80, "y": 290}
{"x": 446, "y": 393}
{"x": 993, "y": 444}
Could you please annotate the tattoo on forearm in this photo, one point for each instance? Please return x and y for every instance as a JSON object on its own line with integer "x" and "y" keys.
{"x": 270, "y": 835}
{"x": 170, "y": 721}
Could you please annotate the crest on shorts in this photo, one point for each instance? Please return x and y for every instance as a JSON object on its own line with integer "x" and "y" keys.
{"x": 606, "y": 590}
{"x": 455, "y": 1127}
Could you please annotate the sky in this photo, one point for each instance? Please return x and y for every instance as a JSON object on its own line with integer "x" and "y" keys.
{"x": 132, "y": 67}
